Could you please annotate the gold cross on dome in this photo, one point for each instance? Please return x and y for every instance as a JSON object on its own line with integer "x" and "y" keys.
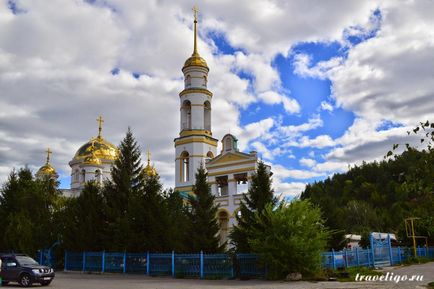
{"x": 195, "y": 11}
{"x": 100, "y": 122}
{"x": 149, "y": 157}
{"x": 48, "y": 151}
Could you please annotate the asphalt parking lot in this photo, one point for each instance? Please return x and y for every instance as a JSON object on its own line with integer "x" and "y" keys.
{"x": 74, "y": 280}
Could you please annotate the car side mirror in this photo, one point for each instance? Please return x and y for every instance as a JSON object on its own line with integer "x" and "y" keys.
{"x": 11, "y": 264}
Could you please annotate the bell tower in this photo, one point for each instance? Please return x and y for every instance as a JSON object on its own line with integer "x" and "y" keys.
{"x": 195, "y": 143}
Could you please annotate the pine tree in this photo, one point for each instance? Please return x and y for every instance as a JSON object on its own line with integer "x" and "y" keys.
{"x": 85, "y": 220}
{"x": 149, "y": 217}
{"x": 259, "y": 195}
{"x": 178, "y": 222}
{"x": 203, "y": 220}
{"x": 126, "y": 183}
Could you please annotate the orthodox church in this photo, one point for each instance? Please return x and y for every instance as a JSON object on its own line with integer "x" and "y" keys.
{"x": 229, "y": 172}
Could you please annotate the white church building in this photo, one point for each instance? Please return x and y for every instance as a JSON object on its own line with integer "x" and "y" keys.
{"x": 229, "y": 171}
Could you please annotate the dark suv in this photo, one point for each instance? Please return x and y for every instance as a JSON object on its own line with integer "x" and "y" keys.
{"x": 24, "y": 270}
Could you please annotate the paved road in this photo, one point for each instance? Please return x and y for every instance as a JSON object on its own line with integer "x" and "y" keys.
{"x": 72, "y": 280}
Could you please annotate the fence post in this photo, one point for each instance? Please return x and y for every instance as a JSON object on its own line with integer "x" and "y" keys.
{"x": 232, "y": 267}
{"x": 84, "y": 261}
{"x": 148, "y": 263}
{"x": 65, "y": 261}
{"x": 369, "y": 257}
{"x": 333, "y": 259}
{"x": 201, "y": 264}
{"x": 426, "y": 251}
{"x": 125, "y": 262}
{"x": 103, "y": 262}
{"x": 346, "y": 258}
{"x": 399, "y": 255}
{"x": 173, "y": 263}
{"x": 357, "y": 256}
{"x": 389, "y": 243}
{"x": 373, "y": 248}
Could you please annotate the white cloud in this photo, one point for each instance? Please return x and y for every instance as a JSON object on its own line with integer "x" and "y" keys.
{"x": 320, "y": 70}
{"x": 307, "y": 162}
{"x": 326, "y": 106}
{"x": 320, "y": 141}
{"x": 295, "y": 130}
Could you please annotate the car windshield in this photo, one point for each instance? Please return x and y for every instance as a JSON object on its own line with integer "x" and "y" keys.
{"x": 24, "y": 260}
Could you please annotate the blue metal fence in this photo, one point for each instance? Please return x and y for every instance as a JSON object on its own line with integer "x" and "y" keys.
{"x": 372, "y": 258}
{"x": 202, "y": 265}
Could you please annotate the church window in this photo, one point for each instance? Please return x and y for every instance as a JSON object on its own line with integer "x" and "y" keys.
{"x": 76, "y": 176}
{"x": 98, "y": 176}
{"x": 207, "y": 115}
{"x": 205, "y": 81}
{"x": 228, "y": 144}
{"x": 185, "y": 167}
{"x": 223, "y": 218}
{"x": 186, "y": 115}
{"x": 83, "y": 176}
{"x": 242, "y": 183}
{"x": 210, "y": 155}
{"x": 188, "y": 81}
{"x": 222, "y": 186}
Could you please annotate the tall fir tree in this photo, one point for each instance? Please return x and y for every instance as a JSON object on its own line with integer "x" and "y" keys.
{"x": 84, "y": 220}
{"x": 204, "y": 229}
{"x": 178, "y": 221}
{"x": 259, "y": 195}
{"x": 126, "y": 183}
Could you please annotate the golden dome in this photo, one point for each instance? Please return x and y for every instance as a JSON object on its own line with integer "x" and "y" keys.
{"x": 96, "y": 148}
{"x": 47, "y": 169}
{"x": 195, "y": 60}
{"x": 92, "y": 160}
{"x": 150, "y": 170}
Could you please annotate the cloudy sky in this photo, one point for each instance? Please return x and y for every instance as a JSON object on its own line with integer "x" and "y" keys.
{"x": 313, "y": 86}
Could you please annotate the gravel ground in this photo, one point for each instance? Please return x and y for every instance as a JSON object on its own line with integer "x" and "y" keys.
{"x": 74, "y": 280}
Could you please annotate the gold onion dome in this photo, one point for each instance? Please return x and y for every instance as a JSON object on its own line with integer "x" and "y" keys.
{"x": 195, "y": 59}
{"x": 47, "y": 169}
{"x": 149, "y": 170}
{"x": 96, "y": 149}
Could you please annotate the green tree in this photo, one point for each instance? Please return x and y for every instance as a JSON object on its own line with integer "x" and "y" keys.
{"x": 259, "y": 195}
{"x": 27, "y": 207}
{"x": 203, "y": 232}
{"x": 178, "y": 225}
{"x": 125, "y": 185}
{"x": 85, "y": 220}
{"x": 289, "y": 238}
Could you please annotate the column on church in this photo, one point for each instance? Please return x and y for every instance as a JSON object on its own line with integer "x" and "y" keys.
{"x": 232, "y": 185}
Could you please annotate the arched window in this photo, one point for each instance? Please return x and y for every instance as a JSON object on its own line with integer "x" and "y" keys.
{"x": 223, "y": 218}
{"x": 188, "y": 81}
{"x": 210, "y": 155}
{"x": 98, "y": 176}
{"x": 207, "y": 115}
{"x": 76, "y": 175}
{"x": 83, "y": 176}
{"x": 228, "y": 144}
{"x": 186, "y": 115}
{"x": 185, "y": 167}
{"x": 205, "y": 81}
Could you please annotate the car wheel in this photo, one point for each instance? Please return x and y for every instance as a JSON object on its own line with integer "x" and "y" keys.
{"x": 25, "y": 280}
{"x": 45, "y": 283}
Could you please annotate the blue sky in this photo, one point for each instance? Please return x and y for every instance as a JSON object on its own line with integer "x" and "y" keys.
{"x": 314, "y": 87}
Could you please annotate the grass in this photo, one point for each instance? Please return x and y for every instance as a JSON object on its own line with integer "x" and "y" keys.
{"x": 431, "y": 285}
{"x": 416, "y": 260}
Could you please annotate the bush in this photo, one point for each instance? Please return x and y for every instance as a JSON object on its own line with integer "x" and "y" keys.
{"x": 289, "y": 238}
